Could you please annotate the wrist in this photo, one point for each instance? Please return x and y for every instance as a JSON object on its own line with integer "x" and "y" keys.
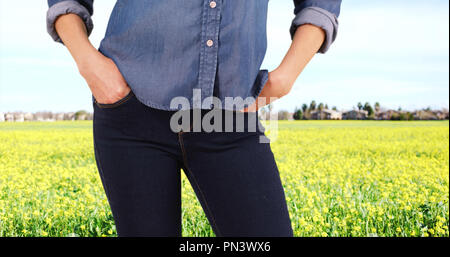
{"x": 86, "y": 58}
{"x": 282, "y": 78}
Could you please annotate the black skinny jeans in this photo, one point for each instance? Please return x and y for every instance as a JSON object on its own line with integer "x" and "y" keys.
{"x": 139, "y": 159}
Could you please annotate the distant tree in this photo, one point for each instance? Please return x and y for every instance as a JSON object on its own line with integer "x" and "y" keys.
{"x": 80, "y": 114}
{"x": 377, "y": 107}
{"x": 263, "y": 113}
{"x": 402, "y": 116}
{"x": 304, "y": 108}
{"x": 266, "y": 112}
{"x": 395, "y": 116}
{"x": 298, "y": 114}
{"x": 369, "y": 109}
{"x": 399, "y": 109}
{"x": 360, "y": 106}
{"x": 320, "y": 106}
{"x": 312, "y": 105}
{"x": 326, "y": 106}
{"x": 410, "y": 116}
{"x": 334, "y": 108}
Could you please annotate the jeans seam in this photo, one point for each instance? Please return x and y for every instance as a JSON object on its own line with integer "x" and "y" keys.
{"x": 202, "y": 195}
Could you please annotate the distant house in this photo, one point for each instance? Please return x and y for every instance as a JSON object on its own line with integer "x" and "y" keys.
{"x": 59, "y": 116}
{"x": 424, "y": 115}
{"x": 355, "y": 115}
{"x": 69, "y": 116}
{"x": 326, "y": 114}
{"x": 82, "y": 116}
{"x": 43, "y": 116}
{"x": 9, "y": 117}
{"x": 285, "y": 115}
{"x": 38, "y": 117}
{"x": 28, "y": 116}
{"x": 385, "y": 115}
{"x": 19, "y": 117}
{"x": 440, "y": 115}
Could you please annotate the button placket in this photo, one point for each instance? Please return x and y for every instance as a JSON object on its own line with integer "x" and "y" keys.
{"x": 209, "y": 51}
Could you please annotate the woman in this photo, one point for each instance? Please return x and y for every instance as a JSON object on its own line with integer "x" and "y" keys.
{"x": 203, "y": 51}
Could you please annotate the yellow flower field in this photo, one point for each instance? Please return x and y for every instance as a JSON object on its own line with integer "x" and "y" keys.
{"x": 342, "y": 178}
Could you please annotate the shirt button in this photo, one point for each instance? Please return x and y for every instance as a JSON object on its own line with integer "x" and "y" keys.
{"x": 210, "y": 43}
{"x": 212, "y": 4}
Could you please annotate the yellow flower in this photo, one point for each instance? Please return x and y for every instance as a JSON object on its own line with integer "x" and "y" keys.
{"x": 363, "y": 172}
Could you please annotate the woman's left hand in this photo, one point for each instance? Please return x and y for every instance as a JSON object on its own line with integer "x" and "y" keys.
{"x": 277, "y": 86}
{"x": 307, "y": 40}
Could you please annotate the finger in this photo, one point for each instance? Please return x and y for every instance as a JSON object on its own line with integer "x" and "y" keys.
{"x": 251, "y": 108}
{"x": 244, "y": 110}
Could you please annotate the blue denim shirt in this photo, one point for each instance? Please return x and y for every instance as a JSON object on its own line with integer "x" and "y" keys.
{"x": 171, "y": 48}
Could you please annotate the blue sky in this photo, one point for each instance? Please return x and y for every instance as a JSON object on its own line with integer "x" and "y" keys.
{"x": 395, "y": 52}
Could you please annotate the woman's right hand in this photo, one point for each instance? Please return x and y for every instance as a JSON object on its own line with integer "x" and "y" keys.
{"x": 104, "y": 78}
{"x": 100, "y": 72}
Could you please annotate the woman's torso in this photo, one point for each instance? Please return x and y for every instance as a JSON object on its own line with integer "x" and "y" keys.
{"x": 166, "y": 49}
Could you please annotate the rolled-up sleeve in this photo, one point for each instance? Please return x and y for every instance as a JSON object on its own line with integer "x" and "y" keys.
{"x": 321, "y": 13}
{"x": 82, "y": 8}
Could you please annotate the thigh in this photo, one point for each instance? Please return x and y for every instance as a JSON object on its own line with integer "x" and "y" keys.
{"x": 140, "y": 178}
{"x": 238, "y": 183}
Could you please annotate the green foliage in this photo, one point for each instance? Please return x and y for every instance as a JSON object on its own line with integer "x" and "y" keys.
{"x": 80, "y": 113}
{"x": 298, "y": 114}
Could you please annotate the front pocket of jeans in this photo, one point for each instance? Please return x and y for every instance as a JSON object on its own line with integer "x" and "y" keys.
{"x": 115, "y": 104}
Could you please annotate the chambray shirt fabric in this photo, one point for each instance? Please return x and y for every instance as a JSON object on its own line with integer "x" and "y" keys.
{"x": 172, "y": 48}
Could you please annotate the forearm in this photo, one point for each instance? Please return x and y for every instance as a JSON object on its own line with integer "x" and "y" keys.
{"x": 101, "y": 74}
{"x": 72, "y": 31}
{"x": 306, "y": 42}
